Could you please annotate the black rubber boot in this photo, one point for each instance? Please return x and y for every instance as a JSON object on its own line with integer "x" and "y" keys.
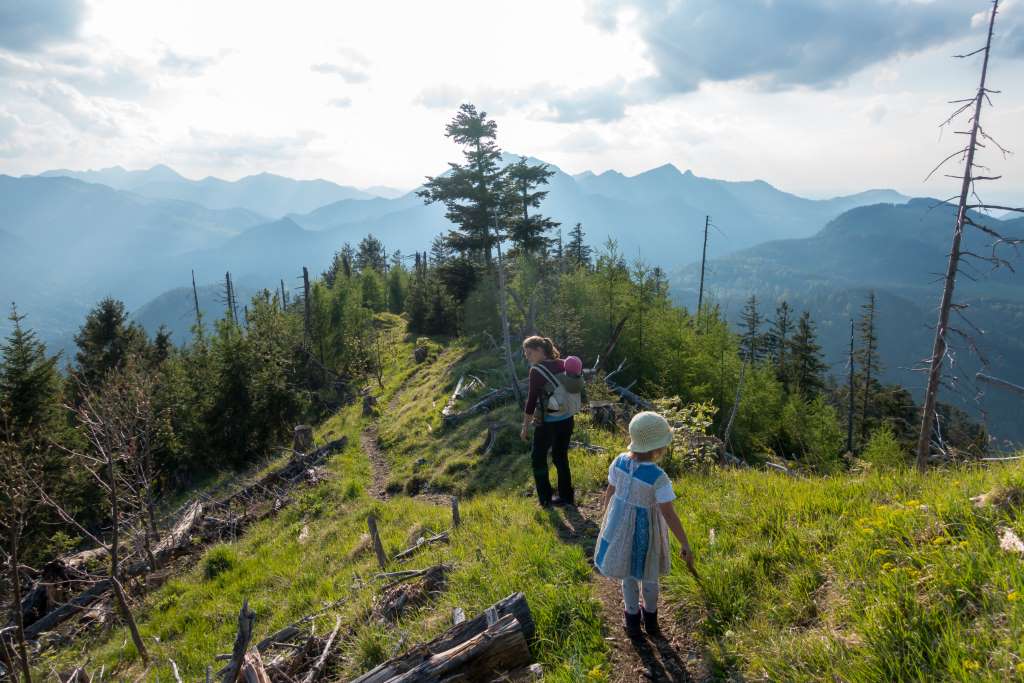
{"x": 651, "y": 623}
{"x": 632, "y": 625}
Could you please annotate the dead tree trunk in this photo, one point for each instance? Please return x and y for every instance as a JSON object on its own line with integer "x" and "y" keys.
{"x": 939, "y": 346}
{"x": 115, "y": 565}
{"x": 14, "y": 560}
{"x": 306, "y": 332}
{"x": 506, "y": 334}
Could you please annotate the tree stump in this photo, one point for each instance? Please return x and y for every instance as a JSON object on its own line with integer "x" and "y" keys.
{"x": 602, "y": 414}
{"x": 302, "y": 441}
{"x": 419, "y": 354}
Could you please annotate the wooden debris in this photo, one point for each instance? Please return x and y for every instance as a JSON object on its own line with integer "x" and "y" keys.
{"x": 398, "y": 596}
{"x": 479, "y": 649}
{"x": 253, "y": 670}
{"x": 246, "y": 620}
{"x": 589, "y": 448}
{"x": 46, "y": 607}
{"x": 422, "y": 543}
{"x": 76, "y": 675}
{"x": 174, "y": 671}
{"x": 318, "y": 667}
{"x": 302, "y": 439}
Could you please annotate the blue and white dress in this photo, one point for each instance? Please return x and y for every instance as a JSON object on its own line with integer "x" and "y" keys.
{"x": 633, "y": 542}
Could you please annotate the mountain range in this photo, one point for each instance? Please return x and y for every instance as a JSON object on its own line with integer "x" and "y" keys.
{"x": 271, "y": 195}
{"x": 899, "y": 252}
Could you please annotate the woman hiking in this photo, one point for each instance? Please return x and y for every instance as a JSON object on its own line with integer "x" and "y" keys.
{"x": 553, "y": 399}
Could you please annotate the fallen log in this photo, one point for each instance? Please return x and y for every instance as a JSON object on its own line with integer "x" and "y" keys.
{"x": 514, "y": 608}
{"x": 61, "y": 614}
{"x": 196, "y": 518}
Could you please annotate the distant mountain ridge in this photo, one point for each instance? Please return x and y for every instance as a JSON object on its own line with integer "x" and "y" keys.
{"x": 83, "y": 239}
{"x": 264, "y": 193}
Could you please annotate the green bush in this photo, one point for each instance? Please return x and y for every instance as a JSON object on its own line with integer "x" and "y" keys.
{"x": 218, "y": 560}
{"x": 811, "y": 431}
{"x": 883, "y": 449}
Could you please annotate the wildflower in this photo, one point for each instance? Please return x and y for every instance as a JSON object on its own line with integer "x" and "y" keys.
{"x": 971, "y": 665}
{"x": 940, "y": 540}
{"x": 913, "y": 503}
{"x": 887, "y": 566}
{"x": 1020, "y": 667}
{"x": 1013, "y": 596}
{"x": 879, "y": 552}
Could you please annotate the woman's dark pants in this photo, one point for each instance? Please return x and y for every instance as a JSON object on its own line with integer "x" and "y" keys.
{"x": 553, "y": 436}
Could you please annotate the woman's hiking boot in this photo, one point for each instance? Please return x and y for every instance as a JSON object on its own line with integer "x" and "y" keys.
{"x": 651, "y": 623}
{"x": 632, "y": 625}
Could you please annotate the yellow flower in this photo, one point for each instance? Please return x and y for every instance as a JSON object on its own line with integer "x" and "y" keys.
{"x": 971, "y": 665}
{"x": 913, "y": 503}
{"x": 939, "y": 540}
{"x": 1013, "y": 596}
{"x": 1020, "y": 667}
{"x": 887, "y": 566}
{"x": 879, "y": 552}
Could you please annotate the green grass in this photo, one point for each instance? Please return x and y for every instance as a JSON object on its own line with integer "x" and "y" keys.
{"x": 879, "y": 576}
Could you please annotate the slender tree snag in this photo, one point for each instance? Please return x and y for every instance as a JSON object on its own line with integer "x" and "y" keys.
{"x": 939, "y": 345}
{"x": 378, "y": 547}
{"x": 506, "y": 333}
{"x": 306, "y": 330}
{"x": 456, "y": 518}
{"x": 703, "y": 260}
{"x": 195, "y": 300}
{"x": 246, "y": 619}
{"x": 735, "y": 409}
{"x": 849, "y": 412}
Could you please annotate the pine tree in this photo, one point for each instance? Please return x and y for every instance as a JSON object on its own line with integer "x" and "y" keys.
{"x": 807, "y": 369}
{"x": 371, "y": 255}
{"x": 751, "y": 345}
{"x": 29, "y": 382}
{"x": 471, "y": 191}
{"x": 577, "y": 252}
{"x": 105, "y": 340}
{"x": 778, "y": 338}
{"x": 868, "y": 359}
{"x": 527, "y": 233}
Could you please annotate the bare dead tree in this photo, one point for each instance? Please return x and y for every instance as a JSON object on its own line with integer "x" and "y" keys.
{"x": 119, "y": 423}
{"x": 703, "y": 260}
{"x": 972, "y": 173}
{"x": 505, "y": 331}
{"x": 17, "y": 503}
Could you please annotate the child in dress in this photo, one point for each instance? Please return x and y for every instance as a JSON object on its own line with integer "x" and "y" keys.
{"x": 633, "y": 543}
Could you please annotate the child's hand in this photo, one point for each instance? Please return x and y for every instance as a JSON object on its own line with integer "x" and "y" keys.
{"x": 524, "y": 433}
{"x": 687, "y": 555}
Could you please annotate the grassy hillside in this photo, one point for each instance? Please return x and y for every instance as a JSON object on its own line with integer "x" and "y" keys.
{"x": 865, "y": 576}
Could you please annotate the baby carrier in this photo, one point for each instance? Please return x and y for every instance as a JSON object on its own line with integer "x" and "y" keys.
{"x": 562, "y": 395}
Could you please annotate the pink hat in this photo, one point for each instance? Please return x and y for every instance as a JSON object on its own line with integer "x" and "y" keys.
{"x": 573, "y": 365}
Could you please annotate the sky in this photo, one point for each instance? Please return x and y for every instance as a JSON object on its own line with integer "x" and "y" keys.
{"x": 817, "y": 98}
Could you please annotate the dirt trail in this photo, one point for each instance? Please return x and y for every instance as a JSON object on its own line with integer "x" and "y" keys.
{"x": 676, "y": 656}
{"x": 381, "y": 472}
